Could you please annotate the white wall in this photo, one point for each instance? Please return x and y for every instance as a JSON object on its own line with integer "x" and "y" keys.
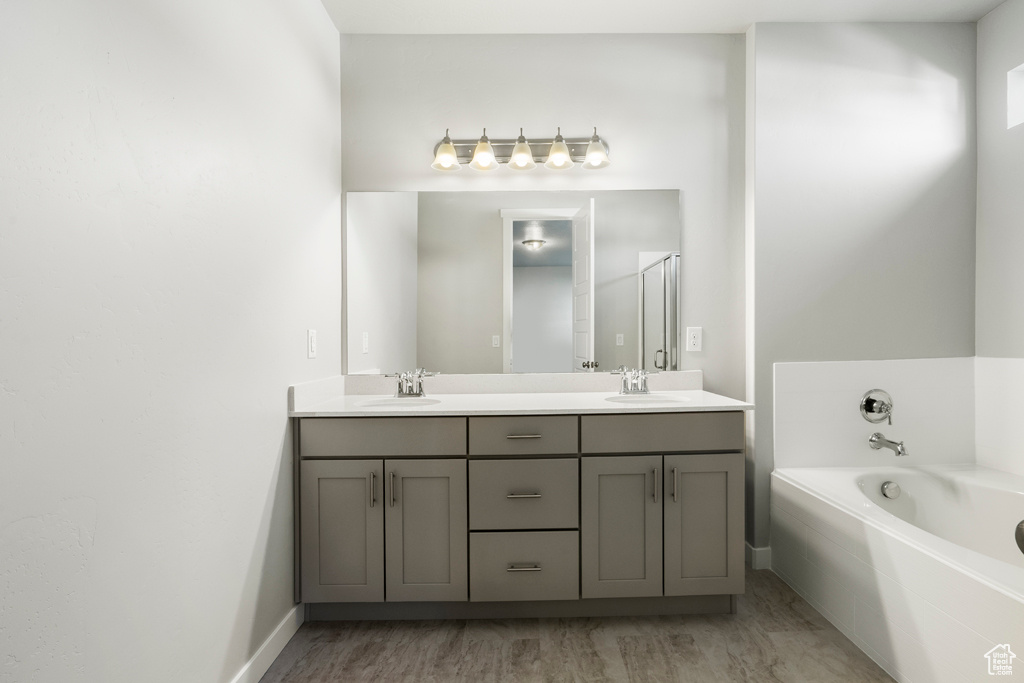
{"x": 670, "y": 107}
{"x": 542, "y": 319}
{"x": 818, "y": 421}
{"x": 380, "y": 281}
{"x": 169, "y": 229}
{"x": 863, "y": 221}
{"x": 1000, "y": 246}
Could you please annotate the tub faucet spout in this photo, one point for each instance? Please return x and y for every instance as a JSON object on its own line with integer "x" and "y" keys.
{"x": 878, "y": 441}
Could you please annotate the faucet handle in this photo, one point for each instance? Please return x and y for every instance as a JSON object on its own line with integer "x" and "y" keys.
{"x": 876, "y": 406}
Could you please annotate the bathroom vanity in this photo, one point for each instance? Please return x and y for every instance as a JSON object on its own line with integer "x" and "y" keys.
{"x": 498, "y": 505}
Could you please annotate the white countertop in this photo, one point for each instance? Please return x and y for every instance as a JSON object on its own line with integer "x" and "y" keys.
{"x": 540, "y": 403}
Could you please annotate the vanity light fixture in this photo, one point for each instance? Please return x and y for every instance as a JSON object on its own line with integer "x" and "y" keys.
{"x": 519, "y": 154}
{"x": 446, "y": 158}
{"x": 559, "y": 157}
{"x": 597, "y": 155}
{"x": 522, "y": 156}
{"x": 483, "y": 155}
{"x": 534, "y": 245}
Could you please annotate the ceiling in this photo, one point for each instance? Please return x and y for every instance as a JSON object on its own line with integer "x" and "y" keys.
{"x": 634, "y": 16}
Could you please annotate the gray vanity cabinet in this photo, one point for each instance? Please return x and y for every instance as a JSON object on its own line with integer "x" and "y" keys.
{"x": 620, "y": 526}
{"x": 703, "y": 496}
{"x": 342, "y": 531}
{"x": 426, "y": 530}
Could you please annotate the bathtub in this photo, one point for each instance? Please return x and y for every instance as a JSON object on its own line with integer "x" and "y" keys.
{"x": 930, "y": 584}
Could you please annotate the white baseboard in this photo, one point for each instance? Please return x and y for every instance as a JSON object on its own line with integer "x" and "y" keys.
{"x": 260, "y": 662}
{"x": 759, "y": 558}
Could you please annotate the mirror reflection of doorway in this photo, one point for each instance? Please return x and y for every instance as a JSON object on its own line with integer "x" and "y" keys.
{"x": 539, "y": 324}
{"x": 659, "y": 315}
{"x": 542, "y": 333}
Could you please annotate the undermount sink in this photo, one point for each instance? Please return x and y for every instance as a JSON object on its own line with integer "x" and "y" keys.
{"x": 394, "y": 401}
{"x": 645, "y": 398}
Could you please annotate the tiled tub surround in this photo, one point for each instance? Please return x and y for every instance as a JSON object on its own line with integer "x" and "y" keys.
{"x": 927, "y": 602}
{"x": 925, "y": 608}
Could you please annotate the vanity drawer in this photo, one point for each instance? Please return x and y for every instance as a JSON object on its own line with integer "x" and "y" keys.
{"x": 524, "y": 565}
{"x": 662, "y": 432}
{"x": 524, "y": 494}
{"x": 326, "y": 437}
{"x": 524, "y": 435}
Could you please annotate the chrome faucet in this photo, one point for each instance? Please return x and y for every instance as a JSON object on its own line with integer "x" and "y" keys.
{"x": 633, "y": 381}
{"x": 411, "y": 383}
{"x": 878, "y": 441}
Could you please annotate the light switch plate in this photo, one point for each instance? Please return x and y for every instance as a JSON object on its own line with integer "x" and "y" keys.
{"x": 496, "y": 341}
{"x": 310, "y": 343}
{"x": 366, "y": 342}
{"x": 694, "y": 338}
{"x": 619, "y": 340}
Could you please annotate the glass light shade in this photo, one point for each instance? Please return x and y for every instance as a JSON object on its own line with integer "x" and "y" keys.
{"x": 446, "y": 159}
{"x": 534, "y": 245}
{"x": 597, "y": 155}
{"x": 558, "y": 157}
{"x": 522, "y": 156}
{"x": 483, "y": 155}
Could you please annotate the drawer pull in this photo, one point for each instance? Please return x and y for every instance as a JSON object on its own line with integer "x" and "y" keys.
{"x": 675, "y": 484}
{"x": 530, "y": 568}
{"x": 373, "y": 489}
{"x": 523, "y": 495}
{"x": 524, "y": 436}
{"x": 655, "y": 485}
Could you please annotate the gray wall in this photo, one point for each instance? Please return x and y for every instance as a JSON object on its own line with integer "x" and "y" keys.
{"x": 542, "y": 313}
{"x": 380, "y": 278}
{"x": 1000, "y": 330}
{"x": 169, "y": 229}
{"x": 863, "y": 159}
{"x": 460, "y": 276}
{"x": 670, "y": 107}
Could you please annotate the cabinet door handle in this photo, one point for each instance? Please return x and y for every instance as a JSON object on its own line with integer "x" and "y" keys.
{"x": 655, "y": 484}
{"x": 391, "y": 485}
{"x": 675, "y": 485}
{"x": 524, "y": 436}
{"x": 373, "y": 488}
{"x": 523, "y": 495}
{"x": 520, "y": 568}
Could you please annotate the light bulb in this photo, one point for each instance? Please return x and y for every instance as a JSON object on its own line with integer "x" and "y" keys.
{"x": 446, "y": 159}
{"x": 483, "y": 155}
{"x": 558, "y": 157}
{"x": 597, "y": 155}
{"x": 522, "y": 156}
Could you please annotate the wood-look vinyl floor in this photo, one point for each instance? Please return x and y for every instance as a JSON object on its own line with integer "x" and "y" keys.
{"x": 775, "y": 636}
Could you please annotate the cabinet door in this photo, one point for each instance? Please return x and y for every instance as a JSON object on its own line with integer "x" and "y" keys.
{"x": 342, "y": 530}
{"x": 426, "y": 530}
{"x": 704, "y": 524}
{"x": 620, "y": 526}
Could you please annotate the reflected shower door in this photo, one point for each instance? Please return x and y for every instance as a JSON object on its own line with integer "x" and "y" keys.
{"x": 658, "y": 314}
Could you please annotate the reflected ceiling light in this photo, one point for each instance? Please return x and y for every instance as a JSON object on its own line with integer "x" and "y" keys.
{"x": 483, "y": 155}
{"x": 597, "y": 155}
{"x": 522, "y": 156}
{"x": 446, "y": 158}
{"x": 559, "y": 157}
{"x": 534, "y": 245}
